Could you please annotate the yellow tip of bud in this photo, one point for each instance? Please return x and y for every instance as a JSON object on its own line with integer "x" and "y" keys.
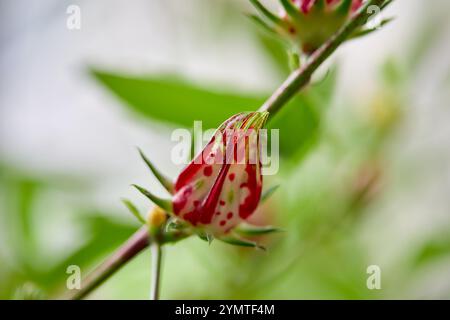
{"x": 156, "y": 217}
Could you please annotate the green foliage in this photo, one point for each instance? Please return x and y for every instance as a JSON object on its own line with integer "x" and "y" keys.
{"x": 32, "y": 271}
{"x": 103, "y": 235}
{"x": 432, "y": 251}
{"x": 299, "y": 121}
{"x": 154, "y": 97}
{"x": 324, "y": 206}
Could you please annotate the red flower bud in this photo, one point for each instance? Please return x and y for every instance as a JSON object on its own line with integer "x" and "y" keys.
{"x": 306, "y": 5}
{"x": 222, "y": 186}
{"x": 308, "y": 23}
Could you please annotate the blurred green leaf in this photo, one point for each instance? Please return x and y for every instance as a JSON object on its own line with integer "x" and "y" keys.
{"x": 392, "y": 73}
{"x": 25, "y": 197}
{"x": 181, "y": 103}
{"x": 432, "y": 251}
{"x": 298, "y": 124}
{"x": 175, "y": 101}
{"x": 19, "y": 193}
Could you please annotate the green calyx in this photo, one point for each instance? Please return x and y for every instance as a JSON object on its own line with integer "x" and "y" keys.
{"x": 307, "y": 31}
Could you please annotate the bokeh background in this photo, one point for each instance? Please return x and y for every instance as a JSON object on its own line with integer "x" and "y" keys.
{"x": 365, "y": 168}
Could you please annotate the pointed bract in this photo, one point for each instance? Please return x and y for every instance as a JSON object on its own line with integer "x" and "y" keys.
{"x": 291, "y": 10}
{"x": 265, "y": 12}
{"x": 307, "y": 24}
{"x": 165, "y": 182}
{"x": 246, "y": 229}
{"x": 365, "y": 32}
{"x": 237, "y": 241}
{"x": 262, "y": 23}
{"x": 267, "y": 193}
{"x": 134, "y": 211}
{"x": 160, "y": 202}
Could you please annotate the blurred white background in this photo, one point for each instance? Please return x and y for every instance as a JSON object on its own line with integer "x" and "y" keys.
{"x": 56, "y": 120}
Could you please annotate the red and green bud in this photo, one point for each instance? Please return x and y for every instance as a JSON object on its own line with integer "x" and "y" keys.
{"x": 222, "y": 186}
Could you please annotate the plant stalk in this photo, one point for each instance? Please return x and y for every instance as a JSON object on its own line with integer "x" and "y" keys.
{"x": 293, "y": 84}
{"x": 299, "y": 78}
{"x": 156, "y": 270}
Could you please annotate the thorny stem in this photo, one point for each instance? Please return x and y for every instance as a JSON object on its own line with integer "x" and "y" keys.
{"x": 156, "y": 270}
{"x": 293, "y": 84}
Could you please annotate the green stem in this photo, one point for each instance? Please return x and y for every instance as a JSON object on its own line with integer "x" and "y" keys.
{"x": 301, "y": 77}
{"x": 156, "y": 270}
{"x": 294, "y": 83}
